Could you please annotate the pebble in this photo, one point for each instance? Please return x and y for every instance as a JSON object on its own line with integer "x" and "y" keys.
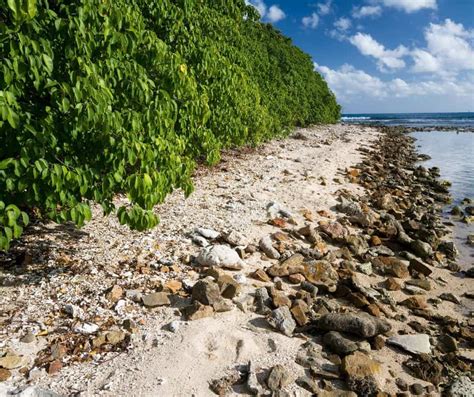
{"x": 220, "y": 256}
{"x": 156, "y": 299}
{"x": 266, "y": 246}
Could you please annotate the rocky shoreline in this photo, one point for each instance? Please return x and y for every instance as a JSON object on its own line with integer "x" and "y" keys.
{"x": 367, "y": 295}
{"x": 424, "y": 128}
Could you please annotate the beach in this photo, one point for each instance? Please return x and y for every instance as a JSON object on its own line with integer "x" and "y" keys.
{"x": 330, "y": 206}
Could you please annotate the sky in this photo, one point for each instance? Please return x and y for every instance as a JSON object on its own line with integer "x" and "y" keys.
{"x": 385, "y": 56}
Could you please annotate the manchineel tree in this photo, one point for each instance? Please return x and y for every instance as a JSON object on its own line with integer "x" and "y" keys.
{"x": 100, "y": 97}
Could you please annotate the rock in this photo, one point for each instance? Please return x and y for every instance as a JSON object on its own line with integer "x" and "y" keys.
{"x": 115, "y": 293}
{"x": 134, "y": 295}
{"x": 421, "y": 249}
{"x": 73, "y": 311}
{"x": 4, "y": 374}
{"x": 223, "y": 386}
{"x": 220, "y": 256}
{"x": 420, "y": 283}
{"x": 261, "y": 275}
{"x": 360, "y": 324}
{"x": 415, "y": 302}
{"x": 378, "y": 342}
{"x": 461, "y": 387}
{"x": 311, "y": 288}
{"x": 417, "y": 265}
{"x": 173, "y": 286}
{"x": 456, "y": 211}
{"x": 86, "y": 328}
{"x": 417, "y": 389}
{"x": 357, "y": 244}
{"x": 307, "y": 383}
{"x": 11, "y": 362}
{"x": 197, "y": 311}
{"x": 282, "y": 320}
{"x": 54, "y": 367}
{"x": 339, "y": 344}
{"x": 401, "y": 384}
{"x": 28, "y": 338}
{"x": 321, "y": 273}
{"x": 156, "y": 299}
{"x": 280, "y": 299}
{"x": 278, "y": 378}
{"x": 364, "y": 375}
{"x": 365, "y": 268}
{"x": 262, "y": 301}
{"x": 334, "y": 230}
{"x": 236, "y": 239}
{"x": 206, "y": 292}
{"x": 415, "y": 344}
{"x": 207, "y": 233}
{"x": 336, "y": 393}
{"x": 299, "y": 310}
{"x": 425, "y": 367}
{"x": 115, "y": 337}
{"x": 296, "y": 278}
{"x": 381, "y": 250}
{"x": 292, "y": 265}
{"x": 447, "y": 344}
{"x": 450, "y": 297}
{"x": 392, "y": 284}
{"x": 174, "y": 326}
{"x": 275, "y": 209}
{"x": 391, "y": 266}
{"x": 253, "y": 384}
{"x": 266, "y": 246}
{"x": 228, "y": 286}
{"x": 375, "y": 241}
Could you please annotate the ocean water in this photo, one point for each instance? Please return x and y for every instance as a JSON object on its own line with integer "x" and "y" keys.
{"x": 413, "y": 119}
{"x": 451, "y": 151}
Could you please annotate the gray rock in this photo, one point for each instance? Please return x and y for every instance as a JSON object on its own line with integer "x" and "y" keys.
{"x": 220, "y": 256}
{"x": 275, "y": 210}
{"x": 207, "y": 233}
{"x": 450, "y": 297}
{"x": 253, "y": 384}
{"x": 416, "y": 344}
{"x": 365, "y": 268}
{"x": 462, "y": 387}
{"x": 358, "y": 324}
{"x": 338, "y": 343}
{"x": 235, "y": 238}
{"x": 199, "y": 240}
{"x": 278, "y": 378}
{"x": 381, "y": 250}
{"x": 421, "y": 249}
{"x": 73, "y": 311}
{"x": 134, "y": 295}
{"x": 174, "y": 326}
{"x": 282, "y": 320}
{"x": 266, "y": 246}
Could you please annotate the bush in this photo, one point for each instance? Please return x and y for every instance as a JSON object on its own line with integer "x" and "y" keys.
{"x": 100, "y": 97}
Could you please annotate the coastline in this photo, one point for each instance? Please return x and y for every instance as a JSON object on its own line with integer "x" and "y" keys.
{"x": 305, "y": 174}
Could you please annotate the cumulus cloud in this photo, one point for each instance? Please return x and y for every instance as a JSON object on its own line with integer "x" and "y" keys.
{"x": 324, "y": 8}
{"x": 367, "y": 11}
{"x": 341, "y": 27}
{"x": 272, "y": 14}
{"x": 409, "y": 6}
{"x": 353, "y": 87}
{"x": 311, "y": 21}
{"x": 449, "y": 49}
{"x": 386, "y": 59}
{"x": 275, "y": 14}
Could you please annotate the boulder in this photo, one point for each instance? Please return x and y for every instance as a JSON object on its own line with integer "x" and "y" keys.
{"x": 266, "y": 246}
{"x": 206, "y": 292}
{"x": 416, "y": 344}
{"x": 339, "y": 344}
{"x": 282, "y": 320}
{"x": 360, "y": 324}
{"x": 363, "y": 374}
{"x": 461, "y": 387}
{"x": 278, "y": 378}
{"x": 220, "y": 256}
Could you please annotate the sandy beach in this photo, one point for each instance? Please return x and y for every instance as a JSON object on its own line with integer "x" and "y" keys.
{"x": 100, "y": 274}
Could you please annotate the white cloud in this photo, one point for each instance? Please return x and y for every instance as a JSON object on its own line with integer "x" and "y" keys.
{"x": 409, "y": 5}
{"x": 387, "y": 59}
{"x": 449, "y": 49}
{"x": 311, "y": 21}
{"x": 343, "y": 24}
{"x": 324, "y": 8}
{"x": 275, "y": 14}
{"x": 367, "y": 11}
{"x": 359, "y": 91}
{"x": 272, "y": 14}
{"x": 341, "y": 27}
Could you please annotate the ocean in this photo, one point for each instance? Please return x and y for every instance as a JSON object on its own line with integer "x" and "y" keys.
{"x": 413, "y": 119}
{"x": 451, "y": 151}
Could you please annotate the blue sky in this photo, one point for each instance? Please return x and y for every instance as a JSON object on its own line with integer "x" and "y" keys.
{"x": 385, "y": 55}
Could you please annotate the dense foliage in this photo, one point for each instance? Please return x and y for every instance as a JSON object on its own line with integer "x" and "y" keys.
{"x": 99, "y": 97}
